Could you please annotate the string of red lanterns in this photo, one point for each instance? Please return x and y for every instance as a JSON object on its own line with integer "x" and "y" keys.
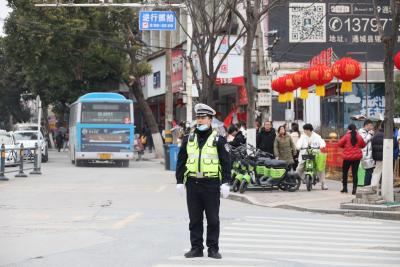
{"x": 345, "y": 69}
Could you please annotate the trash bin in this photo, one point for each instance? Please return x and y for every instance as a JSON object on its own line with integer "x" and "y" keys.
{"x": 173, "y": 156}
{"x": 166, "y": 157}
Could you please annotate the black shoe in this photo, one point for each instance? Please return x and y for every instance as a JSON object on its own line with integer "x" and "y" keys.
{"x": 193, "y": 253}
{"x": 354, "y": 192}
{"x": 214, "y": 254}
{"x": 343, "y": 190}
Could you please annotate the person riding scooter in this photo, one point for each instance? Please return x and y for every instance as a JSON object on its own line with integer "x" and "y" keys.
{"x": 315, "y": 141}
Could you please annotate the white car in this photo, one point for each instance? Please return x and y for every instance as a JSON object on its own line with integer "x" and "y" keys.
{"x": 29, "y": 139}
{"x": 12, "y": 156}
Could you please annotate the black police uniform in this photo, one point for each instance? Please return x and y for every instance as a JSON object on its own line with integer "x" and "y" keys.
{"x": 203, "y": 194}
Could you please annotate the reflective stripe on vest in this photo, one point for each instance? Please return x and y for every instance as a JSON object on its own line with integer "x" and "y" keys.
{"x": 209, "y": 162}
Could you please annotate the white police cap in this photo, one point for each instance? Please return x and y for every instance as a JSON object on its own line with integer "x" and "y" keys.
{"x": 203, "y": 110}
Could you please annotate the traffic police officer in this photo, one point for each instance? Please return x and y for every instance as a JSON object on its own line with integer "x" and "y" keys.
{"x": 204, "y": 168}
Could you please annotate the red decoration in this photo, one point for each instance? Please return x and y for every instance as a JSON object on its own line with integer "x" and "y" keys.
{"x": 302, "y": 79}
{"x": 242, "y": 93}
{"x": 289, "y": 86}
{"x": 346, "y": 69}
{"x": 397, "y": 60}
{"x": 279, "y": 87}
{"x": 320, "y": 75}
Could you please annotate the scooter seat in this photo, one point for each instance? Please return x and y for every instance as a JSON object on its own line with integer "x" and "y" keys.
{"x": 278, "y": 163}
{"x": 264, "y": 161}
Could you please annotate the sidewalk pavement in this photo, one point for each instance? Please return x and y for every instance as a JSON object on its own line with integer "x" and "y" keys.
{"x": 317, "y": 200}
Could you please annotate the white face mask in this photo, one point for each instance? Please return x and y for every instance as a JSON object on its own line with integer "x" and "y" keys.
{"x": 202, "y": 127}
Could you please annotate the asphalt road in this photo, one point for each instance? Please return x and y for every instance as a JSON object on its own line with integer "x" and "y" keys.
{"x": 109, "y": 216}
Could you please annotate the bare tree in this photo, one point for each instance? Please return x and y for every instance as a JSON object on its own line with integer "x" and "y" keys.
{"x": 389, "y": 40}
{"x": 212, "y": 24}
{"x": 136, "y": 70}
{"x": 254, "y": 11}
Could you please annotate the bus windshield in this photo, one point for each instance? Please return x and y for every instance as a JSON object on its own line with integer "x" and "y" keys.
{"x": 106, "y": 113}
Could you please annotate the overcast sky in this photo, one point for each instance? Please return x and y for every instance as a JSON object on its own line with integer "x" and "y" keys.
{"x": 4, "y": 10}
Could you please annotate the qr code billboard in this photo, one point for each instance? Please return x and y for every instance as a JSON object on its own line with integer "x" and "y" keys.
{"x": 307, "y": 22}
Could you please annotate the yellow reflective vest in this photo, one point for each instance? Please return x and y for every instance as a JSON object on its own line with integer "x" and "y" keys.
{"x": 205, "y": 162}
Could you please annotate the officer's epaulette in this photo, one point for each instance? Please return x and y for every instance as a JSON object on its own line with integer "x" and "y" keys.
{"x": 215, "y": 142}
{"x": 191, "y": 136}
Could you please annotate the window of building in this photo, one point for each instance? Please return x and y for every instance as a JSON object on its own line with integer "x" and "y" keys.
{"x": 156, "y": 80}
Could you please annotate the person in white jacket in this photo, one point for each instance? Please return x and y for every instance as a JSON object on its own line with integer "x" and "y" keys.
{"x": 310, "y": 138}
{"x": 367, "y": 162}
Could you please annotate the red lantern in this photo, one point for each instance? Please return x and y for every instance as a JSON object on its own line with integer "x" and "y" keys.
{"x": 397, "y": 60}
{"x": 279, "y": 86}
{"x": 320, "y": 75}
{"x": 346, "y": 69}
{"x": 302, "y": 79}
{"x": 290, "y": 86}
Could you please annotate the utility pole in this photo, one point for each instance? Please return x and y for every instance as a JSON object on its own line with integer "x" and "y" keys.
{"x": 169, "y": 97}
{"x": 189, "y": 74}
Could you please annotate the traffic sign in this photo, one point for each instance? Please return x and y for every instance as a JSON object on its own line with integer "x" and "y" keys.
{"x": 157, "y": 21}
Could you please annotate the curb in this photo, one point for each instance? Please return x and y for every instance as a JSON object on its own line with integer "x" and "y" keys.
{"x": 385, "y": 215}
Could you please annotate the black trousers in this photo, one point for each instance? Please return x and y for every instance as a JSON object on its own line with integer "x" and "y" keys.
{"x": 203, "y": 195}
{"x": 368, "y": 176}
{"x": 354, "y": 169}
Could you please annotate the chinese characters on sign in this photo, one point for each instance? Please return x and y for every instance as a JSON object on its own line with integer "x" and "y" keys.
{"x": 157, "y": 21}
{"x": 307, "y": 26}
{"x": 376, "y": 105}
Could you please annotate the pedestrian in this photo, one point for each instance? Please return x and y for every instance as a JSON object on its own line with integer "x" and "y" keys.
{"x": 315, "y": 141}
{"x": 377, "y": 156}
{"x": 284, "y": 147}
{"x": 352, "y": 143}
{"x": 266, "y": 138}
{"x": 204, "y": 168}
{"x": 238, "y": 137}
{"x": 295, "y": 134}
{"x": 367, "y": 163}
{"x": 59, "y": 140}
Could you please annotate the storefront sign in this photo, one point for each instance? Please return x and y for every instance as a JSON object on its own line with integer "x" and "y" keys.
{"x": 309, "y": 26}
{"x": 263, "y": 99}
{"x": 263, "y": 83}
{"x": 177, "y": 71}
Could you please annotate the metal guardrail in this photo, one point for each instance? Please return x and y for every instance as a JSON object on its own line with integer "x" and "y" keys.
{"x": 36, "y": 169}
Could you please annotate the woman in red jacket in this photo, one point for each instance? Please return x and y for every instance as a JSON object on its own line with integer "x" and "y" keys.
{"x": 352, "y": 143}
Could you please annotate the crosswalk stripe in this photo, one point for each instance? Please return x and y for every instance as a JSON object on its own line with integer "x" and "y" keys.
{"x": 290, "y": 237}
{"x": 312, "y": 248}
{"x": 356, "y": 227}
{"x": 307, "y": 254}
{"x": 315, "y": 220}
{"x": 312, "y": 226}
{"x": 225, "y": 258}
{"x": 324, "y": 233}
{"x": 366, "y": 245}
{"x": 202, "y": 265}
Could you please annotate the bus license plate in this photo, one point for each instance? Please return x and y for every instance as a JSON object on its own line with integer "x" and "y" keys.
{"x": 105, "y": 156}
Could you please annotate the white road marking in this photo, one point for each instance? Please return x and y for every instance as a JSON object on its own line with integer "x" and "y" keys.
{"x": 237, "y": 259}
{"x": 312, "y": 248}
{"x": 315, "y": 220}
{"x": 307, "y": 254}
{"x": 362, "y": 244}
{"x": 325, "y": 227}
{"x": 323, "y": 238}
{"x": 314, "y": 232}
{"x": 124, "y": 222}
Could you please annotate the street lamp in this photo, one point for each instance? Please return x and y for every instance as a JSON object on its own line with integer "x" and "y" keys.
{"x": 365, "y": 54}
